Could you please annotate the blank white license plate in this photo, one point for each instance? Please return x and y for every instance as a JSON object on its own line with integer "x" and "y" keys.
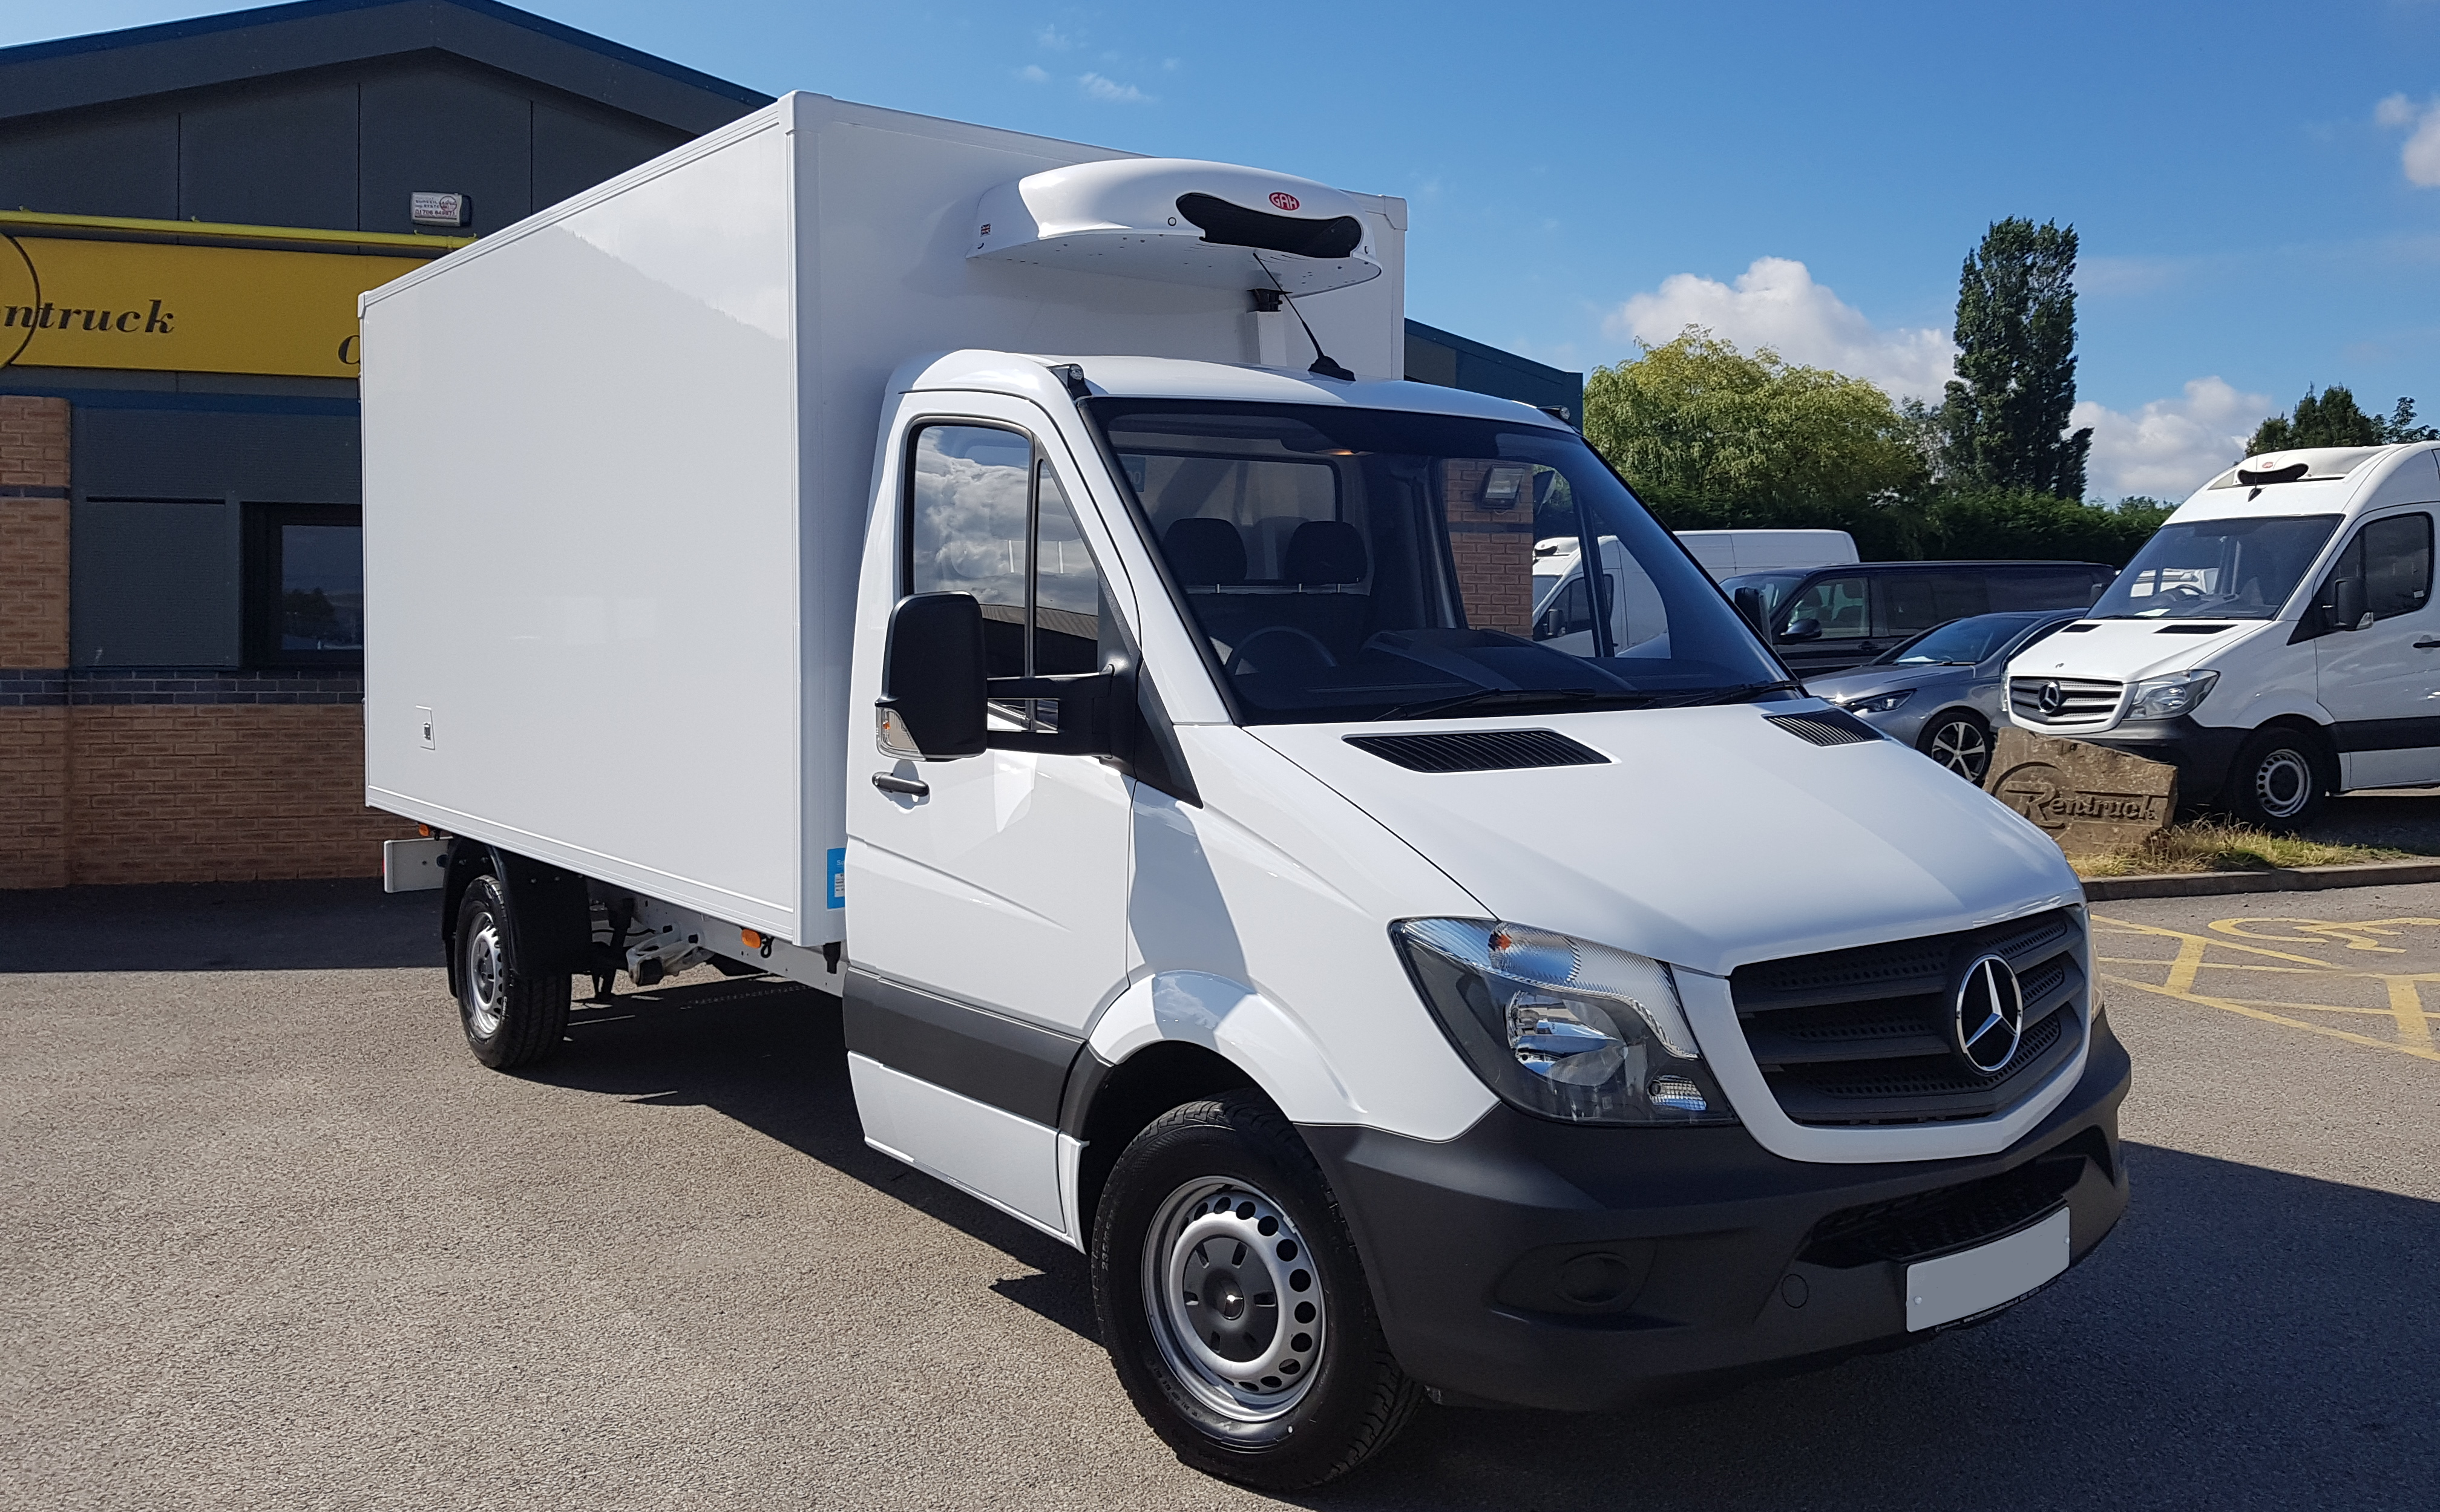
{"x": 1977, "y": 1280}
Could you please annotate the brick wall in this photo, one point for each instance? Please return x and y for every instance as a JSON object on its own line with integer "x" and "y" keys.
{"x": 154, "y": 777}
{"x": 33, "y": 636}
{"x": 1493, "y": 549}
{"x": 221, "y": 793}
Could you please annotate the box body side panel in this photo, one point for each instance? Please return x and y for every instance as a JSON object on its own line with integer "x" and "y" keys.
{"x": 580, "y": 523}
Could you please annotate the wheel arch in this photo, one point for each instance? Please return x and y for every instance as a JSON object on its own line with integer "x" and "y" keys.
{"x": 549, "y": 920}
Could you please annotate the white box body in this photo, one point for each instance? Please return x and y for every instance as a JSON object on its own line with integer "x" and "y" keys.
{"x": 617, "y": 466}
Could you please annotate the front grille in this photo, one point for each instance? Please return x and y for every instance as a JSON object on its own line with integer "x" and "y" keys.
{"x": 1865, "y": 1036}
{"x": 1944, "y": 1222}
{"x": 2082, "y": 700}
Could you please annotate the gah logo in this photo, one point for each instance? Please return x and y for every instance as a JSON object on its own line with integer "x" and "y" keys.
{"x": 1284, "y": 200}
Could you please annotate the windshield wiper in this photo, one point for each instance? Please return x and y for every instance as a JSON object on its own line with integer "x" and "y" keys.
{"x": 1484, "y": 697}
{"x": 1738, "y": 694}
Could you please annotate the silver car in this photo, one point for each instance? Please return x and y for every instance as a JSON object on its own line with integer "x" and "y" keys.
{"x": 1940, "y": 692}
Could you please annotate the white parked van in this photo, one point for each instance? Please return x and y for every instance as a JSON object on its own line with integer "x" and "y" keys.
{"x": 937, "y": 565}
{"x": 2275, "y": 641}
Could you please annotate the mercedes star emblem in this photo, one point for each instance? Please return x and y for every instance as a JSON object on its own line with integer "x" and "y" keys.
{"x": 2053, "y": 698}
{"x": 1990, "y": 1015}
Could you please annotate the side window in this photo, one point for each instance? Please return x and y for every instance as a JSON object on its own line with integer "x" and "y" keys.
{"x": 2044, "y": 588}
{"x": 1069, "y": 618}
{"x": 969, "y": 505}
{"x": 1833, "y": 607}
{"x": 988, "y": 517}
{"x": 305, "y": 585}
{"x": 1914, "y": 601}
{"x": 2397, "y": 556}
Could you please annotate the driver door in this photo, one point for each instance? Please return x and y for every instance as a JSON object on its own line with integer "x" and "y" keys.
{"x": 987, "y": 911}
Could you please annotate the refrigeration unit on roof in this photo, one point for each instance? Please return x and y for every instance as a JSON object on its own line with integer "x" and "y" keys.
{"x": 1179, "y": 221}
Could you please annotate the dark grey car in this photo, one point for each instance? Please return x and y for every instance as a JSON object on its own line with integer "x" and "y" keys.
{"x": 1940, "y": 692}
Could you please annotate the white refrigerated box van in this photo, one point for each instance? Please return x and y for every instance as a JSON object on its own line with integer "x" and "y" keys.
{"x": 2276, "y": 640}
{"x": 1005, "y": 583}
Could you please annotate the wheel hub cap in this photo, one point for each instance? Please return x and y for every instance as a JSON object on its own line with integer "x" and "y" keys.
{"x": 1234, "y": 1303}
{"x": 483, "y": 972}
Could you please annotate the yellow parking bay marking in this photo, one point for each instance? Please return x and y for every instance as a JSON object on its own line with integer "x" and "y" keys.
{"x": 2405, "y": 1003}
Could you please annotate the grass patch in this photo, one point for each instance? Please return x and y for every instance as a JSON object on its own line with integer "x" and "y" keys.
{"x": 2219, "y": 844}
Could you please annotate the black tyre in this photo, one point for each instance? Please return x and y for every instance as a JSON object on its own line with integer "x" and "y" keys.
{"x": 513, "y": 1017}
{"x": 1958, "y": 739}
{"x": 2278, "y": 780}
{"x": 1233, "y": 1304}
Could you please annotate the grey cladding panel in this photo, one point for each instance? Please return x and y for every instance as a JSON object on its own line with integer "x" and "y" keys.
{"x": 572, "y": 153}
{"x": 432, "y": 129}
{"x": 103, "y": 165}
{"x": 272, "y": 155}
{"x": 207, "y": 454}
{"x": 1428, "y": 361}
{"x": 153, "y": 584}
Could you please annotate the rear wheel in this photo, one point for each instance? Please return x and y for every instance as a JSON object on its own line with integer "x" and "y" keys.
{"x": 1960, "y": 740}
{"x": 2278, "y": 780}
{"x": 1233, "y": 1304}
{"x": 513, "y": 1017}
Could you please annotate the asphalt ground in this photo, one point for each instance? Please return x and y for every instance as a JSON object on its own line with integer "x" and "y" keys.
{"x": 271, "y": 1239}
{"x": 2402, "y": 818}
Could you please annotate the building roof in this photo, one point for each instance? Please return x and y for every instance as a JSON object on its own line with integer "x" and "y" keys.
{"x": 44, "y": 76}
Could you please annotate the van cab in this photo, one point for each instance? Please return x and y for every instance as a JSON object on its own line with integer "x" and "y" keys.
{"x": 2275, "y": 641}
{"x": 1832, "y": 618}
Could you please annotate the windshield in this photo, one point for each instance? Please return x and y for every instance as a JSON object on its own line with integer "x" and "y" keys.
{"x": 1354, "y": 564}
{"x": 1962, "y": 641}
{"x": 2218, "y": 569}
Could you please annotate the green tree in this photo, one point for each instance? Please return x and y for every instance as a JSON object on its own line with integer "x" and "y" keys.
{"x": 2332, "y": 417}
{"x": 2006, "y": 411}
{"x": 1710, "y": 436}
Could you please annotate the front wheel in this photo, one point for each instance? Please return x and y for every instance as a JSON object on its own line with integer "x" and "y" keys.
{"x": 1233, "y": 1304}
{"x": 2278, "y": 780}
{"x": 1960, "y": 740}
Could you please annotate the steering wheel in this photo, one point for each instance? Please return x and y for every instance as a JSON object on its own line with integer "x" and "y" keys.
{"x": 1237, "y": 657}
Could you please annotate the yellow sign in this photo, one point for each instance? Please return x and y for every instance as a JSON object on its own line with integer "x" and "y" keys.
{"x": 167, "y": 307}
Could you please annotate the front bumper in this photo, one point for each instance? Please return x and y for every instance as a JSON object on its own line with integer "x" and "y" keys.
{"x": 1574, "y": 1269}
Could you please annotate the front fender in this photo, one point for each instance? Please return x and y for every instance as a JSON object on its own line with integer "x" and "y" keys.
{"x": 1237, "y": 1023}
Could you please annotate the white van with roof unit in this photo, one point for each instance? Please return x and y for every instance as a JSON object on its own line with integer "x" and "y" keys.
{"x": 1006, "y": 584}
{"x": 2275, "y": 641}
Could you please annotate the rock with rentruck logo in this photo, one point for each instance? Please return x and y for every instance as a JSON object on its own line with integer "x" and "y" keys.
{"x": 2087, "y": 798}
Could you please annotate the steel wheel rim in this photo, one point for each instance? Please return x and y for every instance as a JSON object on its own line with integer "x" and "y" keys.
{"x": 1214, "y": 1242}
{"x": 2283, "y": 769}
{"x": 1960, "y": 746}
{"x": 483, "y": 988}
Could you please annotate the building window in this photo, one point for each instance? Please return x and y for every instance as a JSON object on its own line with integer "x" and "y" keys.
{"x": 305, "y": 585}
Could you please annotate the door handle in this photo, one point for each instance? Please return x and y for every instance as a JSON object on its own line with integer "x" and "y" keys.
{"x": 2427, "y": 644}
{"x": 891, "y": 782}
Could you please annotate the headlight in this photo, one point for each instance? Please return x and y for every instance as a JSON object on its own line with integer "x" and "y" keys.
{"x": 1877, "y": 703}
{"x": 2163, "y": 698}
{"x": 1562, "y": 1027}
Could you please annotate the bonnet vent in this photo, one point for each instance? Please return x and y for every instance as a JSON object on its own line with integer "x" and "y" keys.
{"x": 1480, "y": 750}
{"x": 1827, "y": 727}
{"x": 2191, "y": 629}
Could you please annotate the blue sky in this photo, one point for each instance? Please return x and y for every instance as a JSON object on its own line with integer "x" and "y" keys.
{"x": 2257, "y": 187}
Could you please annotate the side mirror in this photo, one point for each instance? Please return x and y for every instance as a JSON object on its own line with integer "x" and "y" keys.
{"x": 1757, "y": 612}
{"x": 932, "y": 683}
{"x": 1803, "y": 630}
{"x": 2347, "y": 604}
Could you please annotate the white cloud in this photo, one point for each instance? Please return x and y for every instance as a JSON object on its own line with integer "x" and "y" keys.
{"x": 2420, "y": 156}
{"x": 1034, "y": 74}
{"x": 1775, "y": 303}
{"x": 2170, "y": 447}
{"x": 1110, "y": 90}
{"x": 1053, "y": 39}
